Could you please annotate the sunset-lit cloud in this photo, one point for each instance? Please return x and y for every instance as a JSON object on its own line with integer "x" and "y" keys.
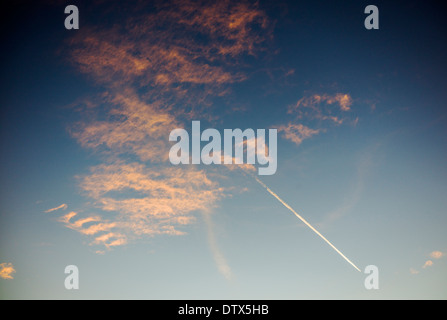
{"x": 96, "y": 227}
{"x": 297, "y": 132}
{"x": 181, "y": 46}
{"x": 67, "y": 217}
{"x": 316, "y": 113}
{"x": 157, "y": 198}
{"x": 95, "y": 223}
{"x": 228, "y": 24}
{"x": 62, "y": 206}
{"x": 343, "y": 100}
{"x": 137, "y": 200}
{"x": 437, "y": 254}
{"x": 111, "y": 239}
{"x": 133, "y": 126}
{"x": 434, "y": 255}
{"x": 7, "y": 270}
{"x": 182, "y": 54}
{"x": 320, "y": 107}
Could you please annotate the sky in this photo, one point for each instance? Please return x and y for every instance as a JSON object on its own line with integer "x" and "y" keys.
{"x": 86, "y": 180}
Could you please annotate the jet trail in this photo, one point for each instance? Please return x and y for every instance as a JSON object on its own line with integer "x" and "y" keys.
{"x": 305, "y": 222}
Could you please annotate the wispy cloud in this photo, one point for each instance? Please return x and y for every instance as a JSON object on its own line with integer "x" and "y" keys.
{"x": 316, "y": 113}
{"x": 297, "y": 132}
{"x": 136, "y": 200}
{"x": 158, "y": 69}
{"x": 413, "y": 271}
{"x": 61, "y": 207}
{"x": 133, "y": 127}
{"x": 7, "y": 270}
{"x": 183, "y": 50}
{"x": 316, "y": 102}
{"x": 158, "y": 199}
{"x": 93, "y": 226}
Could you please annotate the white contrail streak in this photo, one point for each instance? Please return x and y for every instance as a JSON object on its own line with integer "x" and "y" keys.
{"x": 305, "y": 222}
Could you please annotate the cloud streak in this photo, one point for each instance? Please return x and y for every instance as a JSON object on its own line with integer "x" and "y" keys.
{"x": 62, "y": 206}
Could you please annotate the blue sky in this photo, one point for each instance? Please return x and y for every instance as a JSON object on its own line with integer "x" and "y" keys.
{"x": 85, "y": 121}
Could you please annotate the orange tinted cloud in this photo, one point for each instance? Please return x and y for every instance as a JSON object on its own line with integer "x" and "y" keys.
{"x": 297, "y": 132}
{"x": 157, "y": 198}
{"x": 111, "y": 240}
{"x": 62, "y": 206}
{"x": 157, "y": 68}
{"x": 437, "y": 254}
{"x": 7, "y": 270}
{"x": 134, "y": 126}
{"x": 433, "y": 255}
{"x": 320, "y": 107}
{"x": 343, "y": 100}
{"x": 317, "y": 110}
{"x": 228, "y": 24}
{"x": 427, "y": 263}
{"x": 67, "y": 217}
{"x": 181, "y": 44}
{"x": 137, "y": 200}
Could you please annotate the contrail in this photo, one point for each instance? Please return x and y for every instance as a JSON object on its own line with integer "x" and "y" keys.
{"x": 219, "y": 258}
{"x": 305, "y": 222}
